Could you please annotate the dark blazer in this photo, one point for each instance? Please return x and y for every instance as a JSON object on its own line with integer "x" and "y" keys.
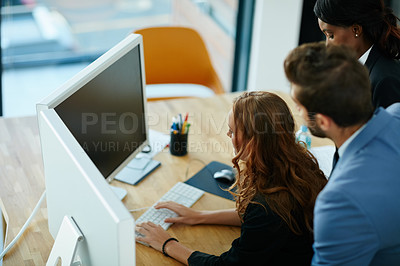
{"x": 384, "y": 74}
{"x": 265, "y": 239}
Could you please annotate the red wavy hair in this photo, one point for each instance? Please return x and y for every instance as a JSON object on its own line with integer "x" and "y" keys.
{"x": 274, "y": 165}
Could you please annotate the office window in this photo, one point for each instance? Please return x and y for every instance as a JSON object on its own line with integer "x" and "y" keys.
{"x": 45, "y": 42}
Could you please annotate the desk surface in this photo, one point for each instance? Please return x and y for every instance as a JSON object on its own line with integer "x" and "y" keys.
{"x": 22, "y": 180}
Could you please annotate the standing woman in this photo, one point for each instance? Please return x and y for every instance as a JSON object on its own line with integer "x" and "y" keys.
{"x": 277, "y": 184}
{"x": 371, "y": 30}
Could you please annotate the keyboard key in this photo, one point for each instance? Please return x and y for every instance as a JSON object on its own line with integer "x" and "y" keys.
{"x": 181, "y": 193}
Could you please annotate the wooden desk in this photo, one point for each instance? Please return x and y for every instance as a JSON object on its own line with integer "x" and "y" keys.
{"x": 22, "y": 180}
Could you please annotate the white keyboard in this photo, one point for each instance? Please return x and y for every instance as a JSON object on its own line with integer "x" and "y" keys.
{"x": 181, "y": 193}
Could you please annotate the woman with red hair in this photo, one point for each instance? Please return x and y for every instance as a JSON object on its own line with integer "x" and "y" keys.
{"x": 277, "y": 183}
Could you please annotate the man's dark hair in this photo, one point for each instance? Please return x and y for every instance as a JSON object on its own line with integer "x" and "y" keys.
{"x": 332, "y": 82}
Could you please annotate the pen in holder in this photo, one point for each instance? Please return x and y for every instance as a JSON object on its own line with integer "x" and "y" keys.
{"x": 178, "y": 145}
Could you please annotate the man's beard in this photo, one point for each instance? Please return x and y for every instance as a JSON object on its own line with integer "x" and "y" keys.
{"x": 317, "y": 131}
{"x": 314, "y": 128}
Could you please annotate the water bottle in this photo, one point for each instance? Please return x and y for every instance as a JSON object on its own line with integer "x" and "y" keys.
{"x": 304, "y": 136}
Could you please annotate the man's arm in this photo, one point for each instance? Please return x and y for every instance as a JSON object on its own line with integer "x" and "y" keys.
{"x": 343, "y": 233}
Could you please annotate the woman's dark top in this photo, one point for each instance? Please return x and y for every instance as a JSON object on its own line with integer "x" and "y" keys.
{"x": 384, "y": 74}
{"x": 264, "y": 240}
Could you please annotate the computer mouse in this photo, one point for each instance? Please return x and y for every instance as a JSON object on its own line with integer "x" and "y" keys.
{"x": 225, "y": 175}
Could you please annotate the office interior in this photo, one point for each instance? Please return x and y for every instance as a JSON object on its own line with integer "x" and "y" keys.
{"x": 247, "y": 55}
{"x": 57, "y": 40}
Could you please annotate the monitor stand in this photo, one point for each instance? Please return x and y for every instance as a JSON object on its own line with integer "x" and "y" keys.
{"x": 120, "y": 192}
{"x": 65, "y": 244}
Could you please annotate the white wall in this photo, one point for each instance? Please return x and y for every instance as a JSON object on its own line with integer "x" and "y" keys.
{"x": 276, "y": 32}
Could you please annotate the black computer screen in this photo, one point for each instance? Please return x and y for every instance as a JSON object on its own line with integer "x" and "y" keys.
{"x": 106, "y": 115}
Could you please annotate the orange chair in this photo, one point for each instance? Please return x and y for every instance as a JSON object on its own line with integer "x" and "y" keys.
{"x": 177, "y": 55}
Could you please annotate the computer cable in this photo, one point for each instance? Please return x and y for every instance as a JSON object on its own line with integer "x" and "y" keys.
{"x": 139, "y": 209}
{"x": 23, "y": 227}
{"x": 198, "y": 160}
{"x": 147, "y": 149}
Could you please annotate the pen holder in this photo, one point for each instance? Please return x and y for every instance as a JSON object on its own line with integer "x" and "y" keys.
{"x": 178, "y": 144}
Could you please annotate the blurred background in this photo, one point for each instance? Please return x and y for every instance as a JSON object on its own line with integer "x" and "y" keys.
{"x": 46, "y": 42}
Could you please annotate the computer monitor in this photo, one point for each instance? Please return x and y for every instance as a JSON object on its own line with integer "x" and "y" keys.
{"x": 90, "y": 128}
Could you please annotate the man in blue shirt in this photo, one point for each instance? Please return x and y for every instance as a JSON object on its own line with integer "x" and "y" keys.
{"x": 357, "y": 214}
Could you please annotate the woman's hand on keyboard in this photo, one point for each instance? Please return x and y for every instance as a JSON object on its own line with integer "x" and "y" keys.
{"x": 186, "y": 215}
{"x": 154, "y": 235}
